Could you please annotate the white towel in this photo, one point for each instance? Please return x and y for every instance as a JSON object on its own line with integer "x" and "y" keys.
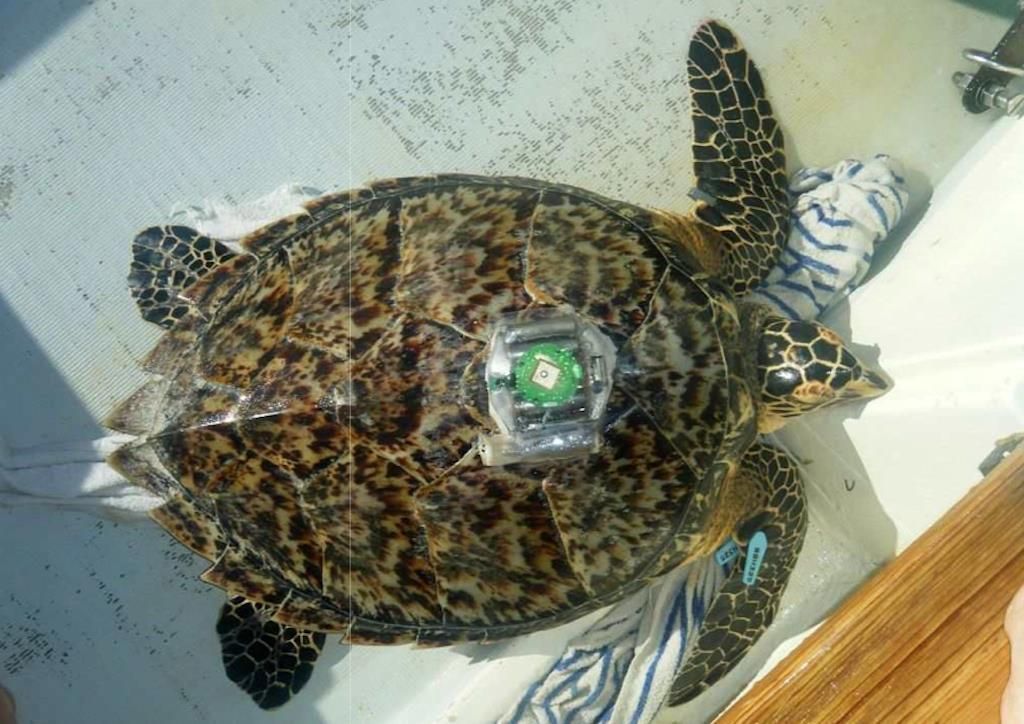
{"x": 621, "y": 669}
{"x": 70, "y": 475}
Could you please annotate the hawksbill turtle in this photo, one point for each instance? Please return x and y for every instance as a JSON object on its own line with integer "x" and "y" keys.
{"x": 462, "y": 408}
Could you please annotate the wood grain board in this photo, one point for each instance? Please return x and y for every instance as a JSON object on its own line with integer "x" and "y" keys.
{"x": 922, "y": 641}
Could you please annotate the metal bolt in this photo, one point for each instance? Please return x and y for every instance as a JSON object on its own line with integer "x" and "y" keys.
{"x": 962, "y": 80}
{"x": 994, "y": 96}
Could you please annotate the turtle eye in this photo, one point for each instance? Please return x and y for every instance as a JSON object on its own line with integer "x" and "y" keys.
{"x": 781, "y": 381}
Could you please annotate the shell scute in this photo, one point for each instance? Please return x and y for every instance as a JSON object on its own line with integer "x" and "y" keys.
{"x": 311, "y": 613}
{"x": 262, "y": 506}
{"x": 363, "y": 510}
{"x": 249, "y": 323}
{"x": 193, "y": 525}
{"x": 291, "y": 412}
{"x": 613, "y": 516}
{"x": 677, "y": 355}
{"x": 599, "y": 263}
{"x": 244, "y": 573}
{"x": 495, "y": 548}
{"x": 346, "y": 269}
{"x": 464, "y": 238}
{"x": 405, "y": 396}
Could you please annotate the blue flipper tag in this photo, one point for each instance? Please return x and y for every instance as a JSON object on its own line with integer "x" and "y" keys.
{"x": 727, "y": 552}
{"x": 756, "y": 549}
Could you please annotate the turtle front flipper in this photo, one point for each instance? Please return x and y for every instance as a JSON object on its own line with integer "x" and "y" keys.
{"x": 167, "y": 261}
{"x": 269, "y": 661}
{"x": 770, "y": 534}
{"x": 739, "y": 159}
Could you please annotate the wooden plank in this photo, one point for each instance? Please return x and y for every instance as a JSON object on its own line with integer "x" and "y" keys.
{"x": 970, "y": 652}
{"x": 974, "y": 691}
{"x": 923, "y": 639}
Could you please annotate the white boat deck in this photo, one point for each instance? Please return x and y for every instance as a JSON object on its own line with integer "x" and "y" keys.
{"x": 113, "y": 111}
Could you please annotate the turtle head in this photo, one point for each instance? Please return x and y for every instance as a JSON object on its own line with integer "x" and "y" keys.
{"x": 804, "y": 366}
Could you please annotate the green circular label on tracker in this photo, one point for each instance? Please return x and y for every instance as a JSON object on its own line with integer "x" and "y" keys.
{"x": 548, "y": 374}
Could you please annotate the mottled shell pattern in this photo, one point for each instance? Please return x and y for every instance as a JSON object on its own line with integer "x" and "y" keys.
{"x": 321, "y": 401}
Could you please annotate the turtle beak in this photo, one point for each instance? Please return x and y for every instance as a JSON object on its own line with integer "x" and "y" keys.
{"x": 868, "y": 384}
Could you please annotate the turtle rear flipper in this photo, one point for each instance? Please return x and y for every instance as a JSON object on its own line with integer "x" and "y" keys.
{"x": 269, "y": 661}
{"x": 167, "y": 261}
{"x": 771, "y": 533}
{"x": 739, "y": 158}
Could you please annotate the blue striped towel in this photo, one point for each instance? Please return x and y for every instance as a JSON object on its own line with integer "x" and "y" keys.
{"x": 621, "y": 668}
{"x": 838, "y": 216}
